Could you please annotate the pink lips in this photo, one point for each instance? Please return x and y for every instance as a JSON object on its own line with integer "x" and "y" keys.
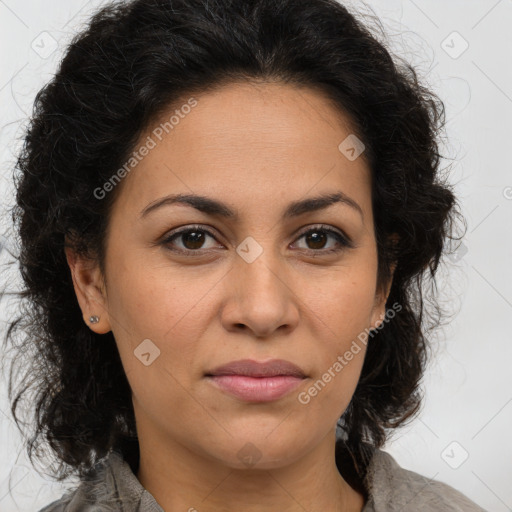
{"x": 254, "y": 381}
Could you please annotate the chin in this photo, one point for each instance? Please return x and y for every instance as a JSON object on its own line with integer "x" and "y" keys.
{"x": 258, "y": 452}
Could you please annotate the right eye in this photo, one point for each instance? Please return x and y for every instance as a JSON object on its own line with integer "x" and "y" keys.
{"x": 192, "y": 239}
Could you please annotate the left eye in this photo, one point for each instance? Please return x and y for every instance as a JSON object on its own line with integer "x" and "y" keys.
{"x": 193, "y": 238}
{"x": 318, "y": 236}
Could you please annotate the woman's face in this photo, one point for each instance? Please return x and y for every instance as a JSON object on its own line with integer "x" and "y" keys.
{"x": 272, "y": 280}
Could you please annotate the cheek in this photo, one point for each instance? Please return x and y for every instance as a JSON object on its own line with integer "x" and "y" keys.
{"x": 340, "y": 355}
{"x": 341, "y": 313}
{"x": 343, "y": 305}
{"x": 170, "y": 309}
{"x": 157, "y": 301}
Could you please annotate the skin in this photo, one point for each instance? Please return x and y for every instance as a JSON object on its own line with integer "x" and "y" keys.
{"x": 256, "y": 147}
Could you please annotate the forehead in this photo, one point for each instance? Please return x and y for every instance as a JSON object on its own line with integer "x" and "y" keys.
{"x": 246, "y": 138}
{"x": 266, "y": 115}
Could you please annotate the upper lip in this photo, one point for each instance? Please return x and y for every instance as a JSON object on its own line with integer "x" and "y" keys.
{"x": 251, "y": 368}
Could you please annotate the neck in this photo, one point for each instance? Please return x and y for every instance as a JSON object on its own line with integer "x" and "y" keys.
{"x": 180, "y": 479}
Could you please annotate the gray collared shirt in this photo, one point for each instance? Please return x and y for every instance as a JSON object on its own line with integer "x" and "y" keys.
{"x": 391, "y": 488}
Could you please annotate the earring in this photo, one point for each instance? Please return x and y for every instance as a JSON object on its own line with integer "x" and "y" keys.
{"x": 94, "y": 319}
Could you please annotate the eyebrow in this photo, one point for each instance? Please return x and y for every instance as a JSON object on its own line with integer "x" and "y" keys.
{"x": 214, "y": 207}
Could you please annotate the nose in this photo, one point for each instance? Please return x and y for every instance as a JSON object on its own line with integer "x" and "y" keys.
{"x": 260, "y": 298}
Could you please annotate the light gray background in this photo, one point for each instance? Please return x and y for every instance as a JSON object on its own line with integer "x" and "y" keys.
{"x": 468, "y": 407}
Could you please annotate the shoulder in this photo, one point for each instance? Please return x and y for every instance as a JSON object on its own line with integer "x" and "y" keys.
{"x": 55, "y": 506}
{"x": 59, "y": 505}
{"x": 110, "y": 486}
{"x": 393, "y": 488}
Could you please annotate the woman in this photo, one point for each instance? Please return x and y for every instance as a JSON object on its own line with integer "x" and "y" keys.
{"x": 226, "y": 210}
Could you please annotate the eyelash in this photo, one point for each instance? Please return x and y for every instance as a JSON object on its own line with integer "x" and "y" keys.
{"x": 345, "y": 242}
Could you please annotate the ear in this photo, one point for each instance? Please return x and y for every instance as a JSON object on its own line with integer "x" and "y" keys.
{"x": 90, "y": 290}
{"x": 379, "y": 307}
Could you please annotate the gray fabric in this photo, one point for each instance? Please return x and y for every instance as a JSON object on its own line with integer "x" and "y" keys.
{"x": 395, "y": 489}
{"x": 114, "y": 487}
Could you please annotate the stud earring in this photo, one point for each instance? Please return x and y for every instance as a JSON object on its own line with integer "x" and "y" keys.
{"x": 94, "y": 319}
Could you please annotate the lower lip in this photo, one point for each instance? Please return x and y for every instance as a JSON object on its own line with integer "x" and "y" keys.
{"x": 256, "y": 389}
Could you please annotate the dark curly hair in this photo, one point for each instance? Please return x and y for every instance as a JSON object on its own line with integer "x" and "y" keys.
{"x": 122, "y": 72}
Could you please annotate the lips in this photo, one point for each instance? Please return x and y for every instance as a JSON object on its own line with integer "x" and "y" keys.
{"x": 251, "y": 368}
{"x": 253, "y": 381}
